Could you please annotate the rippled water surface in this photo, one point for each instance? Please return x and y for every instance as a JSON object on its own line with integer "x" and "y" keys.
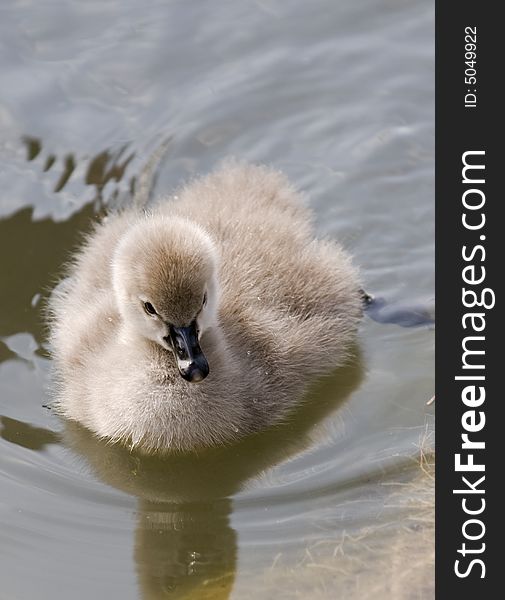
{"x": 338, "y": 502}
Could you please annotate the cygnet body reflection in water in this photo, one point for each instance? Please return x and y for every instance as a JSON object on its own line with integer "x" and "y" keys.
{"x": 204, "y": 319}
{"x": 184, "y": 544}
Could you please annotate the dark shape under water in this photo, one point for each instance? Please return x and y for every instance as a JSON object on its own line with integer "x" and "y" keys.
{"x": 380, "y": 310}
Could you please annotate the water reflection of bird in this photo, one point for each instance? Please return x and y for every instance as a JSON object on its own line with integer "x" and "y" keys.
{"x": 225, "y": 280}
{"x": 185, "y": 546}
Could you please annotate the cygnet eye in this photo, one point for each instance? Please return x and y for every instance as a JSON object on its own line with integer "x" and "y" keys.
{"x": 204, "y": 299}
{"x": 149, "y": 308}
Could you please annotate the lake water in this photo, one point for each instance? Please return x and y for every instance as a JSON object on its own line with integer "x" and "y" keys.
{"x": 338, "y": 503}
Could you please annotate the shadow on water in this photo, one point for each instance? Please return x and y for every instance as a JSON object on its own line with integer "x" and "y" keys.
{"x": 106, "y": 166}
{"x": 38, "y": 250}
{"x": 184, "y": 543}
{"x": 33, "y": 251}
{"x": 26, "y": 435}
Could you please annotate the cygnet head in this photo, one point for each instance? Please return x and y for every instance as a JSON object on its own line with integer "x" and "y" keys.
{"x": 165, "y": 281}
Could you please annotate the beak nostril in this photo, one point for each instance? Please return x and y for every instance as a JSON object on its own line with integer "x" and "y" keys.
{"x": 181, "y": 351}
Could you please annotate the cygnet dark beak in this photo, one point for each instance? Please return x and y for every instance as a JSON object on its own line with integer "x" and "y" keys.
{"x": 191, "y": 361}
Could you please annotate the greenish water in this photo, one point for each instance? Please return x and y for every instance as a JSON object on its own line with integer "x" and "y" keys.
{"x": 338, "y": 502}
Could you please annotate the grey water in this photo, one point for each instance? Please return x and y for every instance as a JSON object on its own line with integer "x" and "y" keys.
{"x": 336, "y": 503}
